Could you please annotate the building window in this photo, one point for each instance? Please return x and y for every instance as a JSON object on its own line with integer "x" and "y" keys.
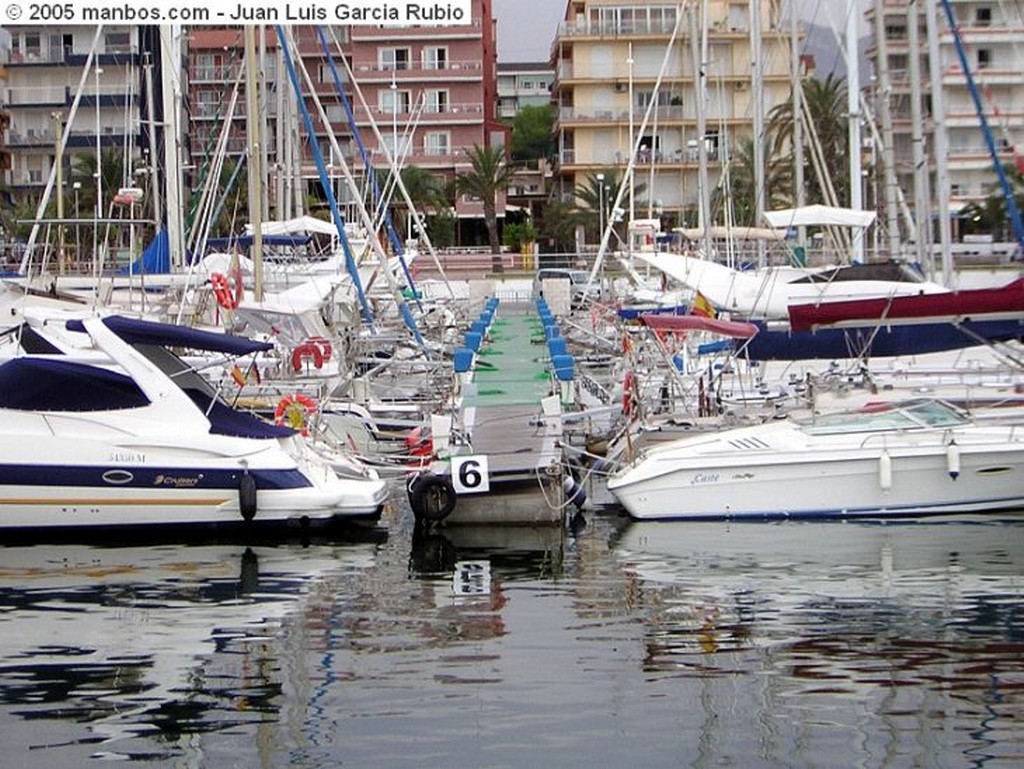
{"x": 393, "y": 58}
{"x": 983, "y": 17}
{"x": 207, "y": 103}
{"x": 393, "y": 101}
{"x": 984, "y": 58}
{"x": 117, "y": 42}
{"x": 32, "y": 45}
{"x": 437, "y": 101}
{"x": 437, "y": 143}
{"x": 435, "y": 57}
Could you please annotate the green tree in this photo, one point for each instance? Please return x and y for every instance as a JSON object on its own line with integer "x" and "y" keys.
{"x": 533, "y": 135}
{"x": 992, "y": 216}
{"x": 557, "y": 226}
{"x": 519, "y": 234}
{"x": 592, "y": 198}
{"x": 825, "y": 101}
{"x": 778, "y": 180}
{"x": 489, "y": 176}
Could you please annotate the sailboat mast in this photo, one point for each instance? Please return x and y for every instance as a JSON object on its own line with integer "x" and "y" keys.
{"x": 254, "y": 159}
{"x": 940, "y": 143}
{"x": 700, "y": 85}
{"x": 853, "y": 109}
{"x": 923, "y": 234}
{"x": 170, "y": 59}
{"x": 757, "y": 88}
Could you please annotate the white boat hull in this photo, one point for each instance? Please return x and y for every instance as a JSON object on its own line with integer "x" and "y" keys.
{"x": 778, "y": 481}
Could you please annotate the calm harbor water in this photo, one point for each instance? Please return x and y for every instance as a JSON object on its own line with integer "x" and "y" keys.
{"x": 617, "y": 644}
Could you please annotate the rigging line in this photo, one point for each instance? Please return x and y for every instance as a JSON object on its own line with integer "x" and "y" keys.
{"x": 314, "y": 147}
{"x": 401, "y": 185}
{"x": 385, "y": 265}
{"x": 396, "y": 244}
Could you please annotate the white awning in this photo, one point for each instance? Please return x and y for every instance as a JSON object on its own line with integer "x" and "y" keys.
{"x": 819, "y": 215}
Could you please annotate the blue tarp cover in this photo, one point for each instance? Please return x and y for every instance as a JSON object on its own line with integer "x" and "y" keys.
{"x": 136, "y": 331}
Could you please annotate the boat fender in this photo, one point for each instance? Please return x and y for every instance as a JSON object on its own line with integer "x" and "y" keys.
{"x": 431, "y": 497}
{"x": 574, "y": 493}
{"x": 628, "y": 385}
{"x": 885, "y": 471}
{"x": 953, "y": 460}
{"x": 247, "y": 496}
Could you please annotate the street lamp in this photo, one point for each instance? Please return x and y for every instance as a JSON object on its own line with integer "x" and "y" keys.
{"x": 600, "y": 208}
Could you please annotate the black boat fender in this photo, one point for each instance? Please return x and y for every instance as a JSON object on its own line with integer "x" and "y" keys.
{"x": 431, "y": 496}
{"x": 247, "y": 496}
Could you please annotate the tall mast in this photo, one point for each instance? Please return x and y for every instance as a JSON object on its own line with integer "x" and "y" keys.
{"x": 853, "y": 108}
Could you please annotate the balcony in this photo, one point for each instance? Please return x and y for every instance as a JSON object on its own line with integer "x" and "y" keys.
{"x": 470, "y": 69}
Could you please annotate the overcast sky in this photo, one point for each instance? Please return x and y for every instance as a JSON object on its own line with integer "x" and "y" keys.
{"x": 526, "y": 28}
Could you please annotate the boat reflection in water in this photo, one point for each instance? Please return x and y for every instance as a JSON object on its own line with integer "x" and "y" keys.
{"x": 872, "y": 628}
{"x": 132, "y": 649}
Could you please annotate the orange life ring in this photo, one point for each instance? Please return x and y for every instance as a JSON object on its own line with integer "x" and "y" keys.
{"x": 628, "y": 385}
{"x": 227, "y": 289}
{"x": 307, "y": 350}
{"x": 293, "y": 411}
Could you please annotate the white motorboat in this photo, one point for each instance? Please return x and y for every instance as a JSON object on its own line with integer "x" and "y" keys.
{"x": 122, "y": 432}
{"x": 916, "y": 457}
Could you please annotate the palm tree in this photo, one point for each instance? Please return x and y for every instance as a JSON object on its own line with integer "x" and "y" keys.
{"x": 826, "y": 104}
{"x": 778, "y": 182}
{"x": 490, "y": 175}
{"x": 558, "y": 220}
{"x": 593, "y": 198}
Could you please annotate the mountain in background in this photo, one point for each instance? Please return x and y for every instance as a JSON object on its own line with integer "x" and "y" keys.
{"x": 822, "y": 44}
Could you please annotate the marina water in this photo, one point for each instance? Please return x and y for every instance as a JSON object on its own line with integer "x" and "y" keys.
{"x": 610, "y": 644}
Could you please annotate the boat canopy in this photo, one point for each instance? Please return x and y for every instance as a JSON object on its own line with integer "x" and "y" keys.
{"x": 136, "y": 331}
{"x": 39, "y": 384}
{"x": 819, "y": 216}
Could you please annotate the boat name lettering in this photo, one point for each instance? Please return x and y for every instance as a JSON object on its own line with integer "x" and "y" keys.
{"x": 177, "y": 481}
{"x": 743, "y": 476}
{"x": 127, "y": 456}
{"x": 702, "y": 478}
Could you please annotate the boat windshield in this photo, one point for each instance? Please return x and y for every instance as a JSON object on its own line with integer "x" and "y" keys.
{"x": 904, "y": 415}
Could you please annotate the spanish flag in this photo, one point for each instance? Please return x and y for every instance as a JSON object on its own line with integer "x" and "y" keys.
{"x": 701, "y": 306}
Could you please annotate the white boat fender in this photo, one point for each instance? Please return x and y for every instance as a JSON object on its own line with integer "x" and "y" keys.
{"x": 953, "y": 460}
{"x": 247, "y": 496}
{"x": 431, "y": 497}
{"x": 574, "y": 493}
{"x": 885, "y": 471}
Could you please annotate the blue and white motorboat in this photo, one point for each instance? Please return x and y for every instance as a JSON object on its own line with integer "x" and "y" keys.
{"x": 104, "y": 425}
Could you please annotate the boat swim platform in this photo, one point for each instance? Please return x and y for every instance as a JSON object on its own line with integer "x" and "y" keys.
{"x": 504, "y": 419}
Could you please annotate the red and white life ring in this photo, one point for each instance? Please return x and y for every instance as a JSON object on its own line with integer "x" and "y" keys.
{"x": 227, "y": 289}
{"x": 324, "y": 344}
{"x": 294, "y": 411}
{"x": 307, "y": 350}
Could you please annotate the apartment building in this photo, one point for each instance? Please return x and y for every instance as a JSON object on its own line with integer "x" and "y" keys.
{"x": 993, "y": 36}
{"x": 523, "y": 84}
{"x": 431, "y": 92}
{"x": 45, "y": 75}
{"x": 609, "y": 55}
